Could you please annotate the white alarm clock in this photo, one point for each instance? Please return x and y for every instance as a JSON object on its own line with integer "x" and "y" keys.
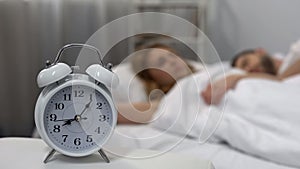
{"x": 75, "y": 114}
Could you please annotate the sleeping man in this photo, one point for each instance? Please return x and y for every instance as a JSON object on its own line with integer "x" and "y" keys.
{"x": 258, "y": 64}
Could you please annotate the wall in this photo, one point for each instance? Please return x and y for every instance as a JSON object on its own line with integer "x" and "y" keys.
{"x": 234, "y": 25}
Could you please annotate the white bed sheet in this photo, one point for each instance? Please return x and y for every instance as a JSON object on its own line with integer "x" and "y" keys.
{"x": 222, "y": 156}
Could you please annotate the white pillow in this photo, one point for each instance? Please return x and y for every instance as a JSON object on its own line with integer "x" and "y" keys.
{"x": 130, "y": 88}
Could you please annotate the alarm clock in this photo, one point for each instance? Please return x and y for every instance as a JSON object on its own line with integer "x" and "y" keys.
{"x": 75, "y": 113}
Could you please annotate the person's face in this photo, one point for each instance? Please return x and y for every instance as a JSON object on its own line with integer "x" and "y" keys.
{"x": 256, "y": 63}
{"x": 166, "y": 67}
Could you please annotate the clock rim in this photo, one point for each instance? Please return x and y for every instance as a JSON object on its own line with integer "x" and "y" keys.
{"x": 45, "y": 96}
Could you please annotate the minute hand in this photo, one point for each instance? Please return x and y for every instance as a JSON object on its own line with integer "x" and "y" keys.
{"x": 87, "y": 105}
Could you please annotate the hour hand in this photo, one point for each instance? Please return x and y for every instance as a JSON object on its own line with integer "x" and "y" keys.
{"x": 76, "y": 118}
{"x": 68, "y": 122}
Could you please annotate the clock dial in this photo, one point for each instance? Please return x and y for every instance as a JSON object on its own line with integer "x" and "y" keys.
{"x": 78, "y": 118}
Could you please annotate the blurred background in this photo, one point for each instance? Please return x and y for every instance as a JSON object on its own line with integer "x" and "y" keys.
{"x": 32, "y": 31}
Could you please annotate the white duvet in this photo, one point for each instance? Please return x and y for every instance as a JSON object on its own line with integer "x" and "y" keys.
{"x": 259, "y": 117}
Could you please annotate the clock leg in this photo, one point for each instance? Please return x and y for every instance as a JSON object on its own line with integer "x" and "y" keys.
{"x": 103, "y": 155}
{"x": 51, "y": 153}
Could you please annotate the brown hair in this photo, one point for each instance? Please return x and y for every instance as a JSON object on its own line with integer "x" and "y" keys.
{"x": 241, "y": 54}
{"x": 139, "y": 63}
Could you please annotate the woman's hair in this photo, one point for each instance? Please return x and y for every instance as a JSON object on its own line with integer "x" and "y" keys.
{"x": 241, "y": 54}
{"x": 139, "y": 63}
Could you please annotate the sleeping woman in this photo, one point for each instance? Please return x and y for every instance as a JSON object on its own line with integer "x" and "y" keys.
{"x": 158, "y": 67}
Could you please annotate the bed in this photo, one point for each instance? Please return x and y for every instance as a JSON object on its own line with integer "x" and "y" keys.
{"x": 227, "y": 139}
{"x": 221, "y": 155}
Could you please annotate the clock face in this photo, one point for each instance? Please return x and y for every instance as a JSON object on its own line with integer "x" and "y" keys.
{"x": 78, "y": 119}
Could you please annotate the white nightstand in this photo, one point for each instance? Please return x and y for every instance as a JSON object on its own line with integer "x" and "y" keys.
{"x": 23, "y": 153}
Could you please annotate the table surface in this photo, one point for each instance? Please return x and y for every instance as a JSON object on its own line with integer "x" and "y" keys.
{"x": 29, "y": 153}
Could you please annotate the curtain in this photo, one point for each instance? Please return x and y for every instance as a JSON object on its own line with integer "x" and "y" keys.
{"x": 21, "y": 58}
